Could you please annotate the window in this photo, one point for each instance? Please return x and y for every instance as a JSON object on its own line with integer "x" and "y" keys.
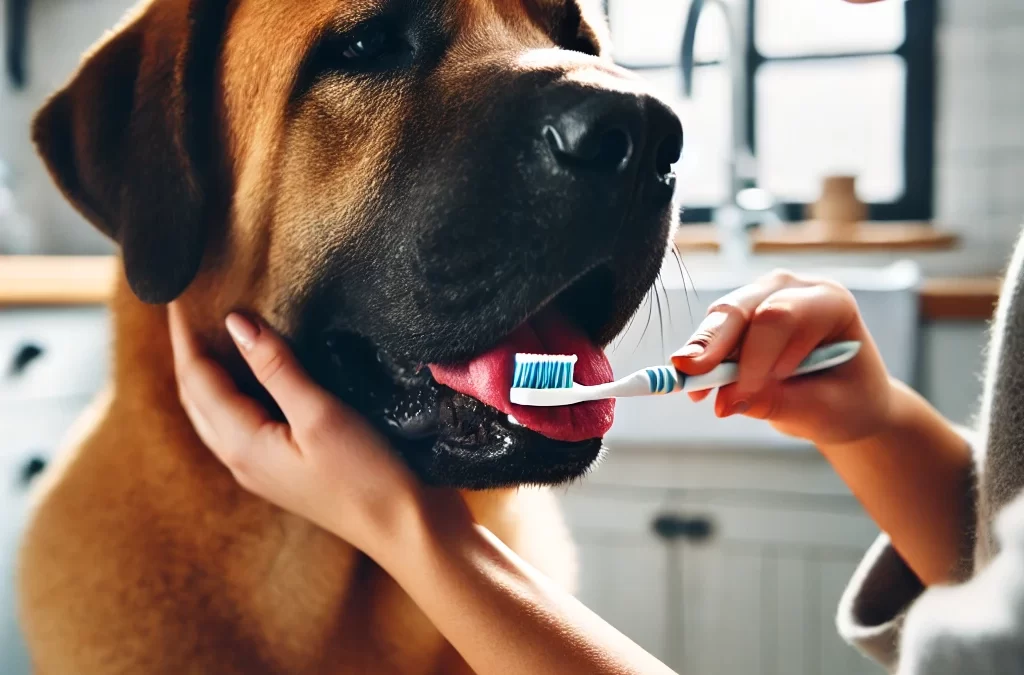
{"x": 834, "y": 88}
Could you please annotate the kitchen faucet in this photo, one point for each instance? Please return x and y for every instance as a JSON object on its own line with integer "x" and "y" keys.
{"x": 747, "y": 204}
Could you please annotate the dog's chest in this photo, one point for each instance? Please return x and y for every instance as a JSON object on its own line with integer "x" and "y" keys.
{"x": 141, "y": 586}
{"x": 134, "y": 566}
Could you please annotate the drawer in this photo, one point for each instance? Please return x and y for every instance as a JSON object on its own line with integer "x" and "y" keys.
{"x": 52, "y": 353}
{"x": 30, "y": 436}
{"x": 34, "y": 429}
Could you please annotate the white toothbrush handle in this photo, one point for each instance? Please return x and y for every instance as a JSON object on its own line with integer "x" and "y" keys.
{"x": 823, "y": 358}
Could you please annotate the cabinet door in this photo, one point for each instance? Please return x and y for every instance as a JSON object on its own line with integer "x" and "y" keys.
{"x": 623, "y": 567}
{"x": 30, "y": 435}
{"x": 758, "y": 595}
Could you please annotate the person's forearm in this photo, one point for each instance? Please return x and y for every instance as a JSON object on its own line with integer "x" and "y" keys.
{"x": 914, "y": 480}
{"x": 501, "y": 615}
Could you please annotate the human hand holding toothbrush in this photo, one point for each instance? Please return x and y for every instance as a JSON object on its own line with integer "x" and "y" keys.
{"x": 755, "y": 347}
{"x": 900, "y": 458}
{"x": 903, "y": 461}
{"x": 770, "y": 327}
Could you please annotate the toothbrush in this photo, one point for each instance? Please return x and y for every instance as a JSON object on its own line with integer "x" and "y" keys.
{"x": 542, "y": 380}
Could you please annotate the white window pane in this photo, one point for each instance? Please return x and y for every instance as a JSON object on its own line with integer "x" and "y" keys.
{"x": 793, "y": 27}
{"x": 650, "y": 32}
{"x": 703, "y": 169}
{"x": 835, "y": 116}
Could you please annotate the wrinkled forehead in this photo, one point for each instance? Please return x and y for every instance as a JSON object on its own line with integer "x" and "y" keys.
{"x": 267, "y": 40}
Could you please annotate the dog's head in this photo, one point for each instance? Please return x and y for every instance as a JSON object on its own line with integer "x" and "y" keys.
{"x": 410, "y": 190}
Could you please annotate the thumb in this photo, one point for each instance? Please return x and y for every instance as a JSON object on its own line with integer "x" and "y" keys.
{"x": 275, "y": 366}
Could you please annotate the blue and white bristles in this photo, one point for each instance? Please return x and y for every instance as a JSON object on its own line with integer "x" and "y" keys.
{"x": 541, "y": 371}
{"x": 546, "y": 381}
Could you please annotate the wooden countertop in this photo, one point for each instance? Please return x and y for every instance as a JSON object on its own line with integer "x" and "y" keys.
{"x": 47, "y": 281}
{"x": 806, "y": 238}
{"x": 56, "y": 280}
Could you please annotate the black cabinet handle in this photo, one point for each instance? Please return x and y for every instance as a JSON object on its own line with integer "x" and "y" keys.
{"x": 32, "y": 468}
{"x": 16, "y": 16}
{"x": 671, "y": 527}
{"x": 25, "y": 356}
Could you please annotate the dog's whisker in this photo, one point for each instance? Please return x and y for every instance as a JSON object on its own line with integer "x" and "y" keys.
{"x": 684, "y": 275}
{"x": 668, "y": 298}
{"x": 661, "y": 320}
{"x": 647, "y": 326}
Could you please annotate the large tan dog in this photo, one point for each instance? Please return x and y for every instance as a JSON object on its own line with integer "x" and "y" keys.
{"x": 390, "y": 183}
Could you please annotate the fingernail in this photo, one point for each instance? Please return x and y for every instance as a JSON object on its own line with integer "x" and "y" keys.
{"x": 739, "y": 408}
{"x": 690, "y": 351}
{"x": 243, "y": 331}
{"x": 708, "y": 329}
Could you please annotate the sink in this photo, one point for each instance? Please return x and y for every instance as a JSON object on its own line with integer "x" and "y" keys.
{"x": 888, "y": 300}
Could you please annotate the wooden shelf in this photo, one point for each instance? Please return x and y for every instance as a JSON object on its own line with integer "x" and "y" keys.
{"x": 56, "y": 280}
{"x": 804, "y": 238}
{"x": 960, "y": 299}
{"x": 46, "y": 281}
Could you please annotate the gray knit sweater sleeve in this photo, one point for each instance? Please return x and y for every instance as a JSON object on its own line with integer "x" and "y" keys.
{"x": 875, "y": 603}
{"x": 975, "y": 625}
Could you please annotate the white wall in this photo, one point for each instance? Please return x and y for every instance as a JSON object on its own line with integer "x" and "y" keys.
{"x": 61, "y": 30}
{"x": 980, "y": 141}
{"x": 950, "y": 367}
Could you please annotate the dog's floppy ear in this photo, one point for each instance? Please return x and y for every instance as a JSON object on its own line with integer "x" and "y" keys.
{"x": 128, "y": 140}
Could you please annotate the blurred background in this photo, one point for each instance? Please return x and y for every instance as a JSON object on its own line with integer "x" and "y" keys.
{"x": 881, "y": 145}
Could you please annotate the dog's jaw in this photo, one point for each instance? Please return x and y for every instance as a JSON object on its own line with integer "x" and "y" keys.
{"x": 452, "y": 439}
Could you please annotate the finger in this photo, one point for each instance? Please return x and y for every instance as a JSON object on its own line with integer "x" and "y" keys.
{"x": 199, "y": 423}
{"x": 229, "y": 421}
{"x": 796, "y": 398}
{"x": 829, "y": 315}
{"x": 762, "y": 404}
{"x": 783, "y": 331}
{"x": 720, "y": 333}
{"x": 698, "y": 396}
{"x": 275, "y": 366}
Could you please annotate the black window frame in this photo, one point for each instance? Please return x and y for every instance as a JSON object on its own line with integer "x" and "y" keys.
{"x": 918, "y": 52}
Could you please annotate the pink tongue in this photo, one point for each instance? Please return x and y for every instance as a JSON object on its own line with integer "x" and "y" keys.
{"x": 488, "y": 378}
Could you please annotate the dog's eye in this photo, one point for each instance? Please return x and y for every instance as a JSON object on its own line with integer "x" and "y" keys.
{"x": 380, "y": 46}
{"x": 366, "y": 47}
{"x": 373, "y": 46}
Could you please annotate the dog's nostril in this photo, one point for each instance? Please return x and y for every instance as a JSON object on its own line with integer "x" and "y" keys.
{"x": 668, "y": 153}
{"x": 555, "y": 140}
{"x": 581, "y": 145}
{"x": 614, "y": 150}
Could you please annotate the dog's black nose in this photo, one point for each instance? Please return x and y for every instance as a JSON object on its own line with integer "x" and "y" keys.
{"x": 613, "y": 132}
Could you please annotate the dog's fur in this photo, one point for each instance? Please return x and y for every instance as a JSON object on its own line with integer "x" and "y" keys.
{"x": 241, "y": 164}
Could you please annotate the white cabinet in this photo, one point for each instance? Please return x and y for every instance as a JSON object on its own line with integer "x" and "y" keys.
{"x": 720, "y": 581}
{"x": 625, "y": 568}
{"x": 52, "y": 362}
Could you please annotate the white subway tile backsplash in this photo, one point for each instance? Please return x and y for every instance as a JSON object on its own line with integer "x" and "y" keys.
{"x": 964, "y": 12}
{"x": 979, "y": 180}
{"x": 1005, "y": 43}
{"x": 960, "y": 190}
{"x": 981, "y": 12}
{"x": 1007, "y": 185}
{"x": 1002, "y": 12}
